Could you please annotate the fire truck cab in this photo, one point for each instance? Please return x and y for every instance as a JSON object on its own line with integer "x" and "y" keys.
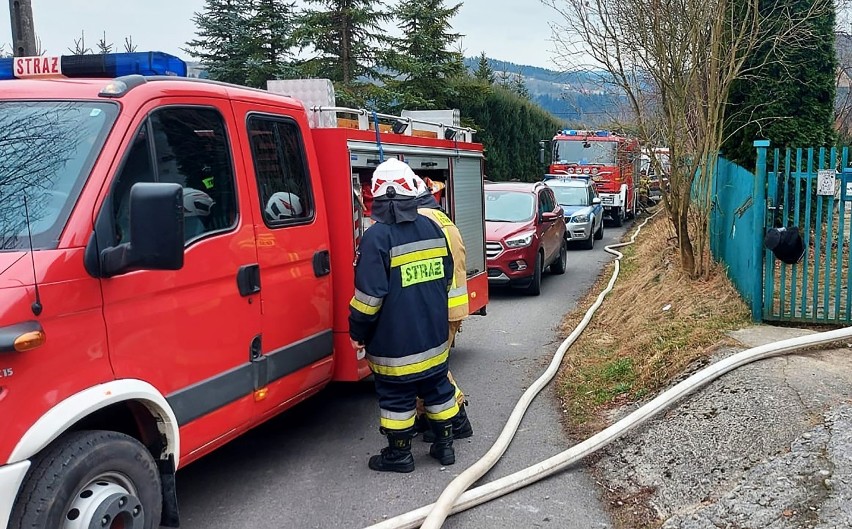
{"x": 611, "y": 160}
{"x": 176, "y": 268}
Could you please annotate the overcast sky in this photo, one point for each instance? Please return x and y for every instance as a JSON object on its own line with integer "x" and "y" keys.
{"x": 512, "y": 30}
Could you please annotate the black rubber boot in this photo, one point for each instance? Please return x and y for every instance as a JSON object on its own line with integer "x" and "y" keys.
{"x": 442, "y": 448}
{"x": 462, "y": 429}
{"x": 397, "y": 456}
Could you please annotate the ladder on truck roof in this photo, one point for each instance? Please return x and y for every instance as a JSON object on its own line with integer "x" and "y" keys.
{"x": 317, "y": 95}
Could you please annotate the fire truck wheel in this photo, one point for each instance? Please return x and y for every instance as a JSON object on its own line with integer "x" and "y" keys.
{"x": 618, "y": 217}
{"x": 90, "y": 479}
{"x": 535, "y": 285}
{"x": 561, "y": 263}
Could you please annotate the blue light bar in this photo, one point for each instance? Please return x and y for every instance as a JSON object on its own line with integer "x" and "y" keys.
{"x": 106, "y": 66}
{"x": 602, "y": 133}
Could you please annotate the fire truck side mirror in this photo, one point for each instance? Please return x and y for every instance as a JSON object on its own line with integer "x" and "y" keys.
{"x": 156, "y": 232}
{"x": 541, "y": 153}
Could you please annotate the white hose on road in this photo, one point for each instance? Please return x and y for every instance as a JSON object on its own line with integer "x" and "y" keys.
{"x": 454, "y": 499}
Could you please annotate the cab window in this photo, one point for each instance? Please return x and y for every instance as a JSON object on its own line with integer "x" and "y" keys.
{"x": 281, "y": 170}
{"x": 186, "y": 146}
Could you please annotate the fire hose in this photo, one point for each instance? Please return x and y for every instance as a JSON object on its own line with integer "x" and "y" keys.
{"x": 454, "y": 499}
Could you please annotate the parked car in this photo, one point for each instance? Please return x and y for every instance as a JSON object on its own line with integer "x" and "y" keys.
{"x": 583, "y": 210}
{"x": 525, "y": 233}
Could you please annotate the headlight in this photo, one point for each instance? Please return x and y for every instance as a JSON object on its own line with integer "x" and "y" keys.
{"x": 521, "y": 241}
{"x": 580, "y": 218}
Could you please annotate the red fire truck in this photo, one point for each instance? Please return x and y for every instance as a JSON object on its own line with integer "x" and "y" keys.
{"x": 611, "y": 160}
{"x": 175, "y": 268}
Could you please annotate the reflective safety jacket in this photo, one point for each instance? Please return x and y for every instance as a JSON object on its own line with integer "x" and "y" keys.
{"x": 458, "y": 301}
{"x": 403, "y": 272}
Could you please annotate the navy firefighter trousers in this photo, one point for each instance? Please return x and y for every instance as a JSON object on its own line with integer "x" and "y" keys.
{"x": 398, "y": 400}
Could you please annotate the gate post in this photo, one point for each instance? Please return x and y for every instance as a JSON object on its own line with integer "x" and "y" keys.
{"x": 758, "y": 227}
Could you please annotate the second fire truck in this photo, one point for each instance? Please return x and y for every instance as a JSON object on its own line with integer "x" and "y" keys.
{"x": 610, "y": 160}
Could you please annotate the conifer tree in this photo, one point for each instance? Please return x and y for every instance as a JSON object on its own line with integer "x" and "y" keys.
{"x": 484, "y": 72}
{"x": 346, "y": 39}
{"x": 519, "y": 86}
{"x": 422, "y": 57}
{"x": 272, "y": 28}
{"x": 104, "y": 46}
{"x": 504, "y": 79}
{"x": 222, "y": 40}
{"x": 787, "y": 94}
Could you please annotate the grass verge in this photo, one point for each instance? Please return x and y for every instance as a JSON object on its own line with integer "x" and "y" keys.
{"x": 653, "y": 325}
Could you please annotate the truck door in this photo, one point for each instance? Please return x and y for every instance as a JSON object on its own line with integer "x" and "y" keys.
{"x": 293, "y": 253}
{"x": 188, "y": 332}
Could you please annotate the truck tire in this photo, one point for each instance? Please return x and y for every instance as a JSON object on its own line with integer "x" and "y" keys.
{"x": 561, "y": 263}
{"x": 535, "y": 285}
{"x": 618, "y": 218}
{"x": 90, "y": 478}
{"x": 632, "y": 213}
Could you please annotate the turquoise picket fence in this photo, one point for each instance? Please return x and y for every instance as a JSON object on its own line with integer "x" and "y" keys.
{"x": 732, "y": 226}
{"x": 783, "y": 192}
{"x": 815, "y": 290}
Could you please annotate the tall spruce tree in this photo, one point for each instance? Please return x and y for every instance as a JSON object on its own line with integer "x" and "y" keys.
{"x": 519, "y": 86}
{"x": 345, "y": 37}
{"x": 788, "y": 94}
{"x": 422, "y": 57}
{"x": 245, "y": 41}
{"x": 272, "y": 28}
{"x": 222, "y": 40}
{"x": 484, "y": 72}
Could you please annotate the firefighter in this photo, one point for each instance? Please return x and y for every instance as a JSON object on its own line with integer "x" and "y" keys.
{"x": 457, "y": 304}
{"x": 403, "y": 272}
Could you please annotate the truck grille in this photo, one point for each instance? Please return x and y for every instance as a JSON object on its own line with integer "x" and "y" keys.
{"x": 493, "y": 249}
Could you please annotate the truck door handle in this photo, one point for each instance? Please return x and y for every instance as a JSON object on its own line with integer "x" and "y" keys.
{"x": 322, "y": 263}
{"x": 248, "y": 279}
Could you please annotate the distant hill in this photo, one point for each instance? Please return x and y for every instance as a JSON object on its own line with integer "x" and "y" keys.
{"x": 574, "y": 97}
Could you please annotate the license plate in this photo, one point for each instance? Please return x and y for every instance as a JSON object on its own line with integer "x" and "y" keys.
{"x": 607, "y": 200}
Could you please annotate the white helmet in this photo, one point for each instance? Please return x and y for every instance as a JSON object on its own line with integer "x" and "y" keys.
{"x": 196, "y": 203}
{"x": 422, "y": 188}
{"x": 396, "y": 176}
{"x": 282, "y": 206}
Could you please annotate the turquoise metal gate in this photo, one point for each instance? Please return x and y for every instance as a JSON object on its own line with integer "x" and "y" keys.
{"x": 802, "y": 190}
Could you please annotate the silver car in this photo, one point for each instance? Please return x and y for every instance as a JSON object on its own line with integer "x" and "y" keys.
{"x": 583, "y": 210}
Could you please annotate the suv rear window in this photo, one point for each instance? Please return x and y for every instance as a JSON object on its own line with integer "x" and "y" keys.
{"x": 47, "y": 149}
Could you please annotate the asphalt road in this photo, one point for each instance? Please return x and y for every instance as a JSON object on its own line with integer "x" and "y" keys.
{"x": 308, "y": 467}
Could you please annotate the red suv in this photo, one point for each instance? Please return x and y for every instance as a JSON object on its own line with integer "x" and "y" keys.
{"x": 525, "y": 233}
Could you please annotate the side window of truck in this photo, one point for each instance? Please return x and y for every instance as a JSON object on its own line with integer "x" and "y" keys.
{"x": 281, "y": 170}
{"x": 189, "y": 147}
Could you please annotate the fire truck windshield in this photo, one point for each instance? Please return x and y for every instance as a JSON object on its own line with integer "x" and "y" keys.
{"x": 585, "y": 152}
{"x": 46, "y": 152}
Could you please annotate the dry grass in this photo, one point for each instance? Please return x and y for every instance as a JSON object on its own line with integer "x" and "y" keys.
{"x": 652, "y": 326}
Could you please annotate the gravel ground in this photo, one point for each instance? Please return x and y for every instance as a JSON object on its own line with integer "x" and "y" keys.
{"x": 766, "y": 446}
